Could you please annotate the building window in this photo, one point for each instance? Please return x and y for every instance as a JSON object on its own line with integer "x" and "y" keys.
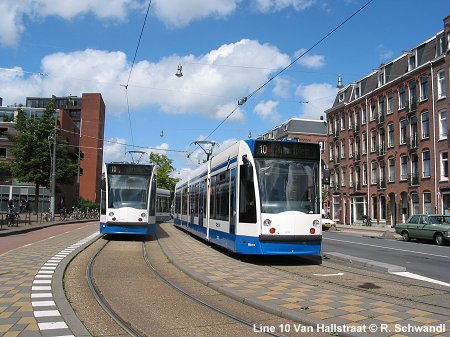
{"x": 364, "y": 176}
{"x": 381, "y": 80}
{"x": 350, "y": 181}
{"x": 372, "y": 110}
{"x": 423, "y": 88}
{"x": 443, "y": 125}
{"x": 381, "y": 106}
{"x": 403, "y": 131}
{"x": 403, "y": 168}
{"x": 441, "y": 84}
{"x": 426, "y": 164}
{"x": 412, "y": 62}
{"x": 391, "y": 135}
{"x": 401, "y": 97}
{"x": 391, "y": 172}
{"x": 343, "y": 148}
{"x": 342, "y": 121}
{"x": 364, "y": 115}
{"x": 412, "y": 93}
{"x": 358, "y": 91}
{"x": 415, "y": 203}
{"x": 390, "y": 106}
{"x": 373, "y": 175}
{"x": 341, "y": 97}
{"x": 331, "y": 151}
{"x": 444, "y": 166}
{"x": 350, "y": 148}
{"x": 350, "y": 120}
{"x": 343, "y": 180}
{"x": 373, "y": 140}
{"x": 2, "y": 152}
{"x": 425, "y": 125}
{"x": 364, "y": 143}
{"x": 427, "y": 209}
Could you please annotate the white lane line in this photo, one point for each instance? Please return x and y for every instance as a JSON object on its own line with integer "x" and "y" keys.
{"x": 337, "y": 274}
{"x": 390, "y": 248}
{"x": 42, "y": 295}
{"x": 45, "y": 299}
{"x": 43, "y": 303}
{"x": 47, "y": 313}
{"x": 52, "y": 325}
{"x": 420, "y": 277}
{"x": 41, "y": 288}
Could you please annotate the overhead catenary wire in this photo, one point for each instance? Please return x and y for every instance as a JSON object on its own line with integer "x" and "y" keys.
{"x": 131, "y": 70}
{"x": 244, "y": 99}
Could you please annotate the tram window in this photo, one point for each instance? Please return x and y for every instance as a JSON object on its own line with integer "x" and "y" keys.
{"x": 212, "y": 200}
{"x": 152, "y": 203}
{"x": 247, "y": 201}
{"x": 222, "y": 196}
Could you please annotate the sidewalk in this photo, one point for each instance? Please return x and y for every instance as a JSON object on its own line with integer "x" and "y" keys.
{"x": 382, "y": 231}
{"x": 35, "y": 222}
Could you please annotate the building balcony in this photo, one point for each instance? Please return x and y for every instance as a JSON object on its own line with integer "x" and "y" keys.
{"x": 413, "y": 143}
{"x": 411, "y": 108}
{"x": 413, "y": 180}
{"x": 381, "y": 150}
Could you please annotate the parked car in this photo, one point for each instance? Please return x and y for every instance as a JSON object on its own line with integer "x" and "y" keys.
{"x": 426, "y": 226}
{"x": 327, "y": 223}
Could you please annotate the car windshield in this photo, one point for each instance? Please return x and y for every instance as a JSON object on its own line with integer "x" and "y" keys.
{"x": 288, "y": 185}
{"x": 439, "y": 219}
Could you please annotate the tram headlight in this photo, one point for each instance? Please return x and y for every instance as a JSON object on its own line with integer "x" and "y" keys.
{"x": 111, "y": 214}
{"x": 267, "y": 222}
{"x": 143, "y": 215}
{"x": 316, "y": 223}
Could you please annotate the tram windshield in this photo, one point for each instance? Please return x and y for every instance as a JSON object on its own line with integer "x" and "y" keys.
{"x": 128, "y": 191}
{"x": 288, "y": 185}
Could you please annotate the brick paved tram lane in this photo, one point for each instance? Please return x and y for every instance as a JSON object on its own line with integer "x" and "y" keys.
{"x": 280, "y": 293}
{"x": 32, "y": 301}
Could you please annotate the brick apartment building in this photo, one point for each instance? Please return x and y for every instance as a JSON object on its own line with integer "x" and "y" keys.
{"x": 88, "y": 114}
{"x": 388, "y": 140}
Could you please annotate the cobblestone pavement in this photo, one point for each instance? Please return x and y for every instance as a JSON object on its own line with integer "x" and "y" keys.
{"x": 32, "y": 301}
{"x": 340, "y": 309}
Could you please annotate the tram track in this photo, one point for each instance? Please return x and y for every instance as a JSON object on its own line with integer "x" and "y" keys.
{"x": 230, "y": 320}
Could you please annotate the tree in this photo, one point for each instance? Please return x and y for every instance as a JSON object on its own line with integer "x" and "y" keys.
{"x": 31, "y": 150}
{"x": 164, "y": 169}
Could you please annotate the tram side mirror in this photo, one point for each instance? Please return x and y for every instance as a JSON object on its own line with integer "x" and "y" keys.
{"x": 326, "y": 177}
{"x": 246, "y": 169}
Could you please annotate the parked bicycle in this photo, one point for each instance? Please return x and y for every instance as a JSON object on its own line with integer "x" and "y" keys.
{"x": 12, "y": 216}
{"x": 366, "y": 220}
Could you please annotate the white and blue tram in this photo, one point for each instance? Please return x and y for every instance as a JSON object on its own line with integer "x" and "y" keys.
{"x": 128, "y": 199}
{"x": 256, "y": 197}
{"x": 163, "y": 204}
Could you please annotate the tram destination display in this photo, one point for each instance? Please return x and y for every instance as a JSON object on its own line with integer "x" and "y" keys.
{"x": 287, "y": 150}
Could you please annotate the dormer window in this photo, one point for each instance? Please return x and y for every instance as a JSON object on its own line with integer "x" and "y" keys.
{"x": 358, "y": 90}
{"x": 341, "y": 97}
{"x": 381, "y": 80}
{"x": 412, "y": 62}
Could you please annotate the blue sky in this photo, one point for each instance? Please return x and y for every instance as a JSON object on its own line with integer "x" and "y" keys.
{"x": 227, "y": 48}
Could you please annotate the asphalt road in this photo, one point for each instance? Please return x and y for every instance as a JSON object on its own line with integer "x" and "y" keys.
{"x": 422, "y": 258}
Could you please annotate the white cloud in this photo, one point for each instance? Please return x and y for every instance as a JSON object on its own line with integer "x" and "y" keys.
{"x": 16, "y": 13}
{"x": 267, "y": 110}
{"x": 179, "y": 13}
{"x": 310, "y": 60}
{"x": 206, "y": 87}
{"x": 282, "y": 87}
{"x": 114, "y": 149}
{"x": 277, "y": 5}
{"x": 117, "y": 149}
{"x": 320, "y": 97}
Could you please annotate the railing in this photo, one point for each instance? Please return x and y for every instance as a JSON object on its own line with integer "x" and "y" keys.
{"x": 413, "y": 179}
{"x": 413, "y": 143}
{"x": 380, "y": 118}
{"x": 381, "y": 183}
{"x": 381, "y": 150}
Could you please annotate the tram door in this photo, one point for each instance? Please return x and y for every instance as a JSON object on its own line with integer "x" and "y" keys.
{"x": 233, "y": 201}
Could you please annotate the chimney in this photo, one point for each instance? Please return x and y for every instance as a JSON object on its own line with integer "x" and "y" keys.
{"x": 339, "y": 83}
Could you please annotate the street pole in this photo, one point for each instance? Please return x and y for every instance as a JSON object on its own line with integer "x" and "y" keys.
{"x": 53, "y": 181}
